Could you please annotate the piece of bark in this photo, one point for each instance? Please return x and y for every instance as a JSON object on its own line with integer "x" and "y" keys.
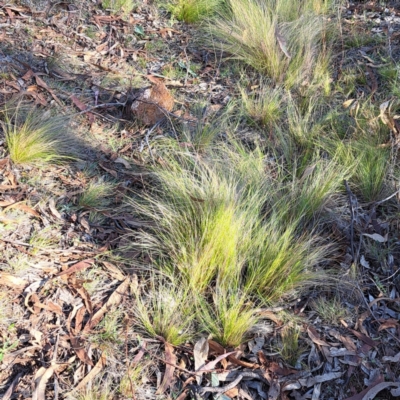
{"x": 151, "y": 105}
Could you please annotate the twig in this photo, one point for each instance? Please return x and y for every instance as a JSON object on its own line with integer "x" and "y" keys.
{"x": 222, "y": 389}
{"x": 234, "y": 383}
{"x": 15, "y": 242}
{"x": 149, "y": 131}
{"x": 388, "y": 198}
{"x": 128, "y": 364}
{"x": 350, "y": 196}
{"x": 178, "y": 367}
{"x": 279, "y": 308}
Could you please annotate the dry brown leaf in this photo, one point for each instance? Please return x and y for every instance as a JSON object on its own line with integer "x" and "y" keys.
{"x": 170, "y": 359}
{"x": 23, "y": 207}
{"x": 114, "y": 300}
{"x": 79, "y": 319}
{"x": 82, "y": 107}
{"x": 28, "y": 75}
{"x": 200, "y": 354}
{"x": 96, "y": 369}
{"x": 276, "y": 369}
{"x": 79, "y": 347}
{"x": 140, "y": 354}
{"x": 109, "y": 170}
{"x": 12, "y": 281}
{"x": 7, "y": 395}
{"x": 389, "y": 323}
{"x": 371, "y": 393}
{"x": 232, "y": 393}
{"x": 53, "y": 307}
{"x": 40, "y": 82}
{"x": 183, "y": 395}
{"x": 214, "y": 346}
{"x": 86, "y": 298}
{"x": 81, "y": 265}
{"x": 282, "y": 43}
{"x": 41, "y": 378}
{"x": 8, "y": 187}
{"x": 272, "y": 316}
{"x": 52, "y": 207}
{"x": 5, "y": 203}
{"x": 211, "y": 365}
{"x": 346, "y": 340}
{"x": 114, "y": 271}
{"x": 364, "y": 338}
{"x": 313, "y": 334}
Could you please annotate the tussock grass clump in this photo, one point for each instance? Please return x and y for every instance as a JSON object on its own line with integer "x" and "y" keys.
{"x": 192, "y": 11}
{"x": 216, "y": 222}
{"x": 236, "y": 226}
{"x": 166, "y": 311}
{"x": 204, "y": 129}
{"x": 98, "y": 391}
{"x": 228, "y": 317}
{"x": 281, "y": 38}
{"x": 364, "y": 153}
{"x": 97, "y": 195}
{"x": 310, "y": 191}
{"x": 291, "y": 349}
{"x": 134, "y": 378}
{"x": 265, "y": 105}
{"x": 33, "y": 137}
{"x": 331, "y": 311}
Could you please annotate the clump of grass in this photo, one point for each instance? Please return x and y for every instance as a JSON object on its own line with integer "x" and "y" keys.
{"x": 119, "y": 6}
{"x": 43, "y": 239}
{"x": 281, "y": 38}
{"x": 192, "y": 11}
{"x": 371, "y": 169}
{"x": 363, "y": 152}
{"x": 265, "y": 105}
{"x": 204, "y": 129}
{"x": 228, "y": 318}
{"x": 97, "y": 195}
{"x": 18, "y": 263}
{"x": 212, "y": 222}
{"x": 165, "y": 311}
{"x": 33, "y": 137}
{"x": 96, "y": 392}
{"x": 291, "y": 349}
{"x": 109, "y": 335}
{"x": 7, "y": 315}
{"x": 331, "y": 311}
{"x": 309, "y": 191}
{"x": 134, "y": 378}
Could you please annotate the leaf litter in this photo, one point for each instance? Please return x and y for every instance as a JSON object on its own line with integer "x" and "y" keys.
{"x": 54, "y": 311}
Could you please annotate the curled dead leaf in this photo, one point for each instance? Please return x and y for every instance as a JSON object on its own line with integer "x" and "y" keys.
{"x": 170, "y": 359}
{"x": 40, "y": 380}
